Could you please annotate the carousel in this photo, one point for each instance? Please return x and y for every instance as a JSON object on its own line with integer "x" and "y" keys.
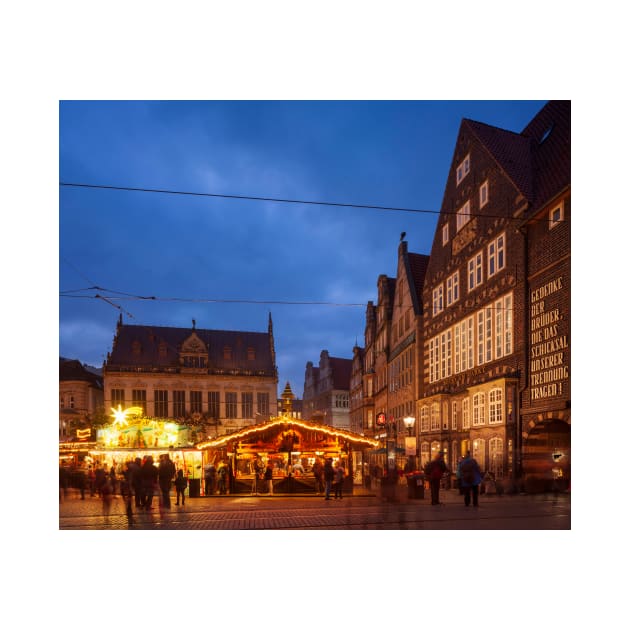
{"x": 293, "y": 449}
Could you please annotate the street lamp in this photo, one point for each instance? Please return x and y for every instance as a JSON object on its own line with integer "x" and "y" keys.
{"x": 410, "y": 443}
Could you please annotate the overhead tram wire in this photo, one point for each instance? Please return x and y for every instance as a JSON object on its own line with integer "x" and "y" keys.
{"x": 279, "y": 200}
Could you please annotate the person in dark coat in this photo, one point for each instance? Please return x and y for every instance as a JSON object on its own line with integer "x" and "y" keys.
{"x": 329, "y": 475}
{"x": 149, "y": 474}
{"x": 469, "y": 475}
{"x": 437, "y": 468}
{"x": 180, "y": 486}
{"x": 166, "y": 472}
{"x": 136, "y": 482}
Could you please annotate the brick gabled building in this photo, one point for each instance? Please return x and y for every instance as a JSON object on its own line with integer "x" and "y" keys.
{"x": 326, "y": 397}
{"x": 216, "y": 380}
{"x": 477, "y": 354}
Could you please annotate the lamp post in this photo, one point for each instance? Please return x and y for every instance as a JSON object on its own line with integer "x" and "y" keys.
{"x": 410, "y": 422}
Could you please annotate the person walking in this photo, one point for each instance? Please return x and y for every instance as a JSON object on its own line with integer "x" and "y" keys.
{"x": 136, "y": 481}
{"x": 180, "y": 486}
{"x": 166, "y": 472}
{"x": 340, "y": 475}
{"x": 126, "y": 490}
{"x": 437, "y": 468}
{"x": 222, "y": 477}
{"x": 469, "y": 475}
{"x": 149, "y": 474}
{"x": 318, "y": 473}
{"x": 329, "y": 475}
{"x": 269, "y": 477}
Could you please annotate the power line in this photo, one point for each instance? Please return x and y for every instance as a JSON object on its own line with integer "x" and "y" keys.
{"x": 280, "y": 200}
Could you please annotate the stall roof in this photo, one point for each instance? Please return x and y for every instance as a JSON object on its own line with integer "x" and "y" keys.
{"x": 282, "y": 422}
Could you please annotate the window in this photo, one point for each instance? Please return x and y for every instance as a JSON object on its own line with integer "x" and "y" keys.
{"x": 556, "y": 215}
{"x": 452, "y": 288}
{"x": 262, "y": 403}
{"x": 251, "y": 354}
{"x": 247, "y": 405}
{"x": 495, "y": 447}
{"x": 479, "y": 409}
{"x": 463, "y": 216}
{"x": 179, "y": 403}
{"x": 463, "y": 169}
{"x": 118, "y": 398}
{"x": 227, "y": 353}
{"x": 495, "y": 400}
{"x": 445, "y": 415}
{"x": 496, "y": 255}
{"x": 214, "y": 408}
{"x": 425, "y": 454}
{"x": 438, "y": 299}
{"x": 424, "y": 418}
{"x": 475, "y": 271}
{"x": 160, "y": 403}
{"x": 483, "y": 194}
{"x": 479, "y": 453}
{"x": 445, "y": 234}
{"x": 454, "y": 415}
{"x": 139, "y": 399}
{"x": 230, "y": 405}
{"x": 195, "y": 402}
{"x": 476, "y": 340}
{"x": 435, "y": 417}
{"x": 194, "y": 361}
{"x": 466, "y": 413}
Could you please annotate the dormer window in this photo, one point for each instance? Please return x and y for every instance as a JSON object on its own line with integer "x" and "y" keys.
{"x": 251, "y": 353}
{"x": 227, "y": 353}
{"x": 463, "y": 169}
{"x": 556, "y": 215}
{"x": 483, "y": 194}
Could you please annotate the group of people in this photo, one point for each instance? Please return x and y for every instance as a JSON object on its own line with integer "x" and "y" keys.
{"x": 142, "y": 480}
{"x": 468, "y": 476}
{"x": 217, "y": 478}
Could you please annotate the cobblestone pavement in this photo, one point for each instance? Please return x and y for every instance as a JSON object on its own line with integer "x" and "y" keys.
{"x": 367, "y": 512}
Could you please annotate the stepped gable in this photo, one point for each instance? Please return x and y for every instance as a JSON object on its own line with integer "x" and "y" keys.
{"x": 160, "y": 346}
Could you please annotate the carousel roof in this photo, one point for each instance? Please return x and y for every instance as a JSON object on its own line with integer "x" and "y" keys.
{"x": 281, "y": 423}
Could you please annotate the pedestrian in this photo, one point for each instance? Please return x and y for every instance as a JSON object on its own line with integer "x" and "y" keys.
{"x": 269, "y": 477}
{"x": 180, "y": 486}
{"x": 318, "y": 473}
{"x": 126, "y": 489}
{"x": 63, "y": 482}
{"x": 81, "y": 480}
{"x": 99, "y": 478}
{"x": 166, "y": 472}
{"x": 222, "y": 474}
{"x": 91, "y": 475}
{"x": 112, "y": 478}
{"x": 258, "y": 472}
{"x": 329, "y": 475}
{"x": 210, "y": 478}
{"x": 340, "y": 475}
{"x": 106, "y": 495}
{"x": 149, "y": 474}
{"x": 136, "y": 481}
{"x": 437, "y": 468}
{"x": 469, "y": 478}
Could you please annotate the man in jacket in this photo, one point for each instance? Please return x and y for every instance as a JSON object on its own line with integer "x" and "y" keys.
{"x": 436, "y": 472}
{"x": 469, "y": 475}
{"x": 166, "y": 472}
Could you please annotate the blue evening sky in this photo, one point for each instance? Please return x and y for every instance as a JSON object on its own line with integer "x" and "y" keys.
{"x": 195, "y": 249}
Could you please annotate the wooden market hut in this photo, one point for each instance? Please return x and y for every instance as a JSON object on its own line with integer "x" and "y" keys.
{"x": 291, "y": 445}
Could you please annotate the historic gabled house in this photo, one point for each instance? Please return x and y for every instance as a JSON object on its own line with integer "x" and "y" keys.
{"x": 405, "y": 341}
{"x": 326, "y": 397}
{"x": 216, "y": 381}
{"x": 479, "y": 323}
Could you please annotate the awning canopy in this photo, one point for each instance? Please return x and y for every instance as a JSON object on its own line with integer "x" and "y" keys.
{"x": 284, "y": 433}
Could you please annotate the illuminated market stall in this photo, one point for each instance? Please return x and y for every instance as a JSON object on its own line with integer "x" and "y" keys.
{"x": 291, "y": 447}
{"x": 132, "y": 435}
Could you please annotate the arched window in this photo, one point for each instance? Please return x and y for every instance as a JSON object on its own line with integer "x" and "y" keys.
{"x": 479, "y": 453}
{"x": 424, "y": 418}
{"x": 425, "y": 453}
